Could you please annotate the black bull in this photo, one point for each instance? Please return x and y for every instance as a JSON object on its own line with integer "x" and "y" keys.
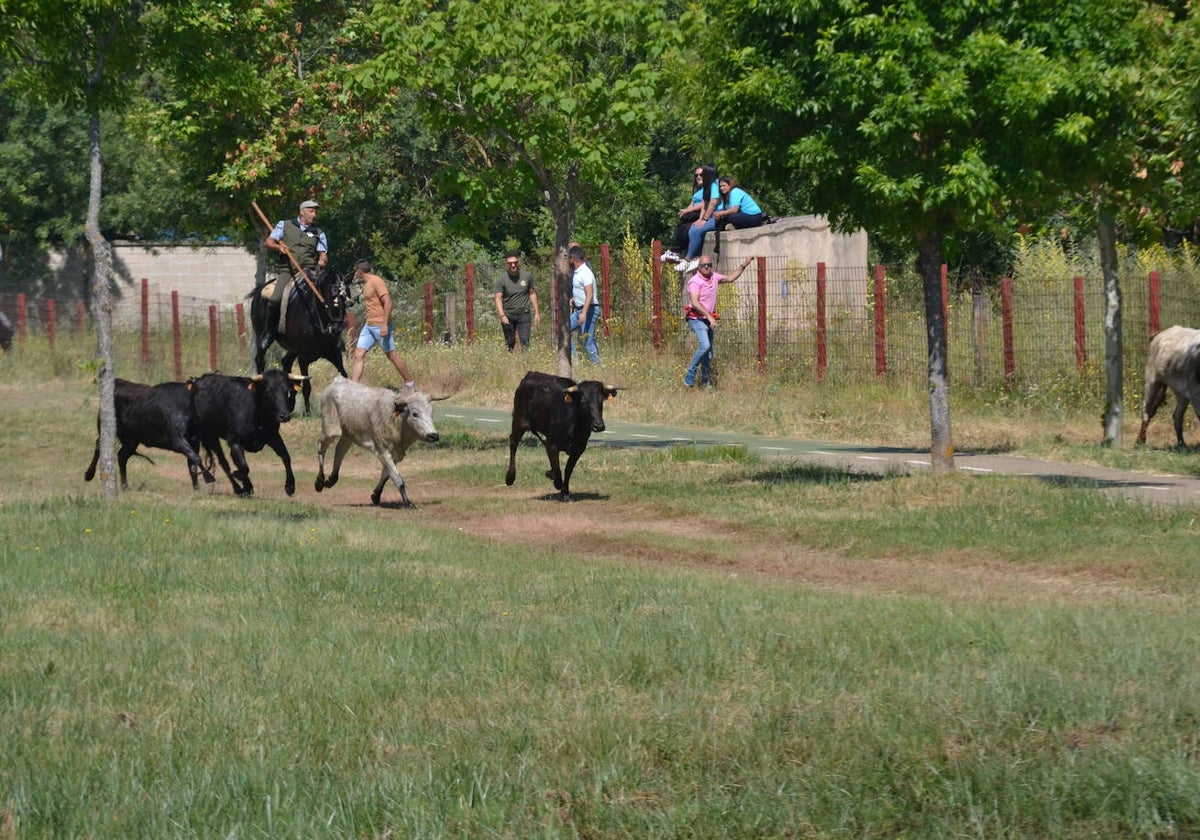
{"x": 562, "y": 414}
{"x": 314, "y": 329}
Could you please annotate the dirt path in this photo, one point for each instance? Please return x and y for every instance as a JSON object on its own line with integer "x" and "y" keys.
{"x": 608, "y": 529}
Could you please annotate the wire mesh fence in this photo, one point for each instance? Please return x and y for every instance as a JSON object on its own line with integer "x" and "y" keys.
{"x": 793, "y": 322}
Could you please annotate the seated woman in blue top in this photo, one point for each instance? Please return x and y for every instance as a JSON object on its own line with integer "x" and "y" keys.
{"x": 736, "y": 210}
{"x": 695, "y": 220}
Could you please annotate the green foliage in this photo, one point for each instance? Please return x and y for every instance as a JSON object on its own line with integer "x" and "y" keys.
{"x": 927, "y": 116}
{"x": 549, "y": 118}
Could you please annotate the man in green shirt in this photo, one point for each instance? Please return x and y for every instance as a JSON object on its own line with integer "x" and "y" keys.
{"x": 516, "y": 302}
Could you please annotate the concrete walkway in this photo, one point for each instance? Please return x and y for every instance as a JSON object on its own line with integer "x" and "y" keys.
{"x": 1148, "y": 487}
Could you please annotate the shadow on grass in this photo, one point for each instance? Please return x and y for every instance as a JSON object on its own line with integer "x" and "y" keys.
{"x": 816, "y": 474}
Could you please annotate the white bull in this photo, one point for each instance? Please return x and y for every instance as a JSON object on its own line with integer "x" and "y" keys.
{"x": 381, "y": 420}
{"x": 1173, "y": 362}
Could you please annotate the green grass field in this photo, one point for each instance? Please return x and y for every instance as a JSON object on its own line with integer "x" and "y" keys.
{"x": 702, "y": 645}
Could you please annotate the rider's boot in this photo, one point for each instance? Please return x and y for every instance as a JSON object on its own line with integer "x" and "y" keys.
{"x": 268, "y": 335}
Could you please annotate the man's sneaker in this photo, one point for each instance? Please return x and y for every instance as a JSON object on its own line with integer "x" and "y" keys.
{"x": 687, "y": 265}
{"x": 670, "y": 256}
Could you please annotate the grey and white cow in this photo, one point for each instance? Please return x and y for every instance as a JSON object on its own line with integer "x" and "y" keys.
{"x": 1172, "y": 362}
{"x": 381, "y": 420}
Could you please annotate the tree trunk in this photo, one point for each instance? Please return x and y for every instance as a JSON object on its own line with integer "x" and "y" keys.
{"x": 1114, "y": 371}
{"x": 941, "y": 453}
{"x": 101, "y": 253}
{"x": 562, "y": 287}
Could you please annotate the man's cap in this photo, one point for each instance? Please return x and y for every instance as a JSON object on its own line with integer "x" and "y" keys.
{"x": 304, "y": 205}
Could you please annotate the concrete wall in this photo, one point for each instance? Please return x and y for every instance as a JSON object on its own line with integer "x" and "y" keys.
{"x": 202, "y": 275}
{"x": 793, "y": 246}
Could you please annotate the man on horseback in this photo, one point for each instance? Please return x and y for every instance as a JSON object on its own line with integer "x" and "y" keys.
{"x": 306, "y": 243}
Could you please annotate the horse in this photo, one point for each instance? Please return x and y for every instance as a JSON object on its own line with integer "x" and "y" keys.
{"x": 314, "y": 329}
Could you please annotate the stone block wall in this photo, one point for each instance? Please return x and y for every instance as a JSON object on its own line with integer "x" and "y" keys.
{"x": 793, "y": 245}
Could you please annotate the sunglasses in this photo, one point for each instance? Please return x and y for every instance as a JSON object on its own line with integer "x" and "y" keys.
{"x": 705, "y": 265}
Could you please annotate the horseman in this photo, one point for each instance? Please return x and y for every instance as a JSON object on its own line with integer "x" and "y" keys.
{"x": 300, "y": 240}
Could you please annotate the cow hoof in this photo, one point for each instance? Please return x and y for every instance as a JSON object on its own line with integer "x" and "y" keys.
{"x": 245, "y": 492}
{"x": 510, "y": 478}
{"x": 375, "y": 499}
{"x": 319, "y": 484}
{"x": 290, "y": 488}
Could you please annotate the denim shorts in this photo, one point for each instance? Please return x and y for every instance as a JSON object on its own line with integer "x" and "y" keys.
{"x": 368, "y": 337}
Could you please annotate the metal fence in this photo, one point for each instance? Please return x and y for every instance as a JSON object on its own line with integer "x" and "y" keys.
{"x": 793, "y": 322}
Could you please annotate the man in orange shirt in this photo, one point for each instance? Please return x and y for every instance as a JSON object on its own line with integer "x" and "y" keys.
{"x": 378, "y": 328}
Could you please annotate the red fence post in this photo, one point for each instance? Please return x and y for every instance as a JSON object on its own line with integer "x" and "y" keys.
{"x": 428, "y": 311}
{"x": 1155, "y": 303}
{"x": 146, "y": 322}
{"x": 212, "y": 337}
{"x": 469, "y": 303}
{"x": 822, "y": 336}
{"x": 1006, "y": 315}
{"x": 1080, "y": 343}
{"x": 762, "y": 314}
{"x": 176, "y": 337}
{"x": 22, "y": 305}
{"x": 605, "y": 288}
{"x": 51, "y": 321}
{"x": 240, "y": 313}
{"x": 656, "y": 318}
{"x": 79, "y": 316}
{"x": 880, "y": 324}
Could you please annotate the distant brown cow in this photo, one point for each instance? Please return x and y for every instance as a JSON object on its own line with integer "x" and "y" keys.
{"x": 1173, "y": 362}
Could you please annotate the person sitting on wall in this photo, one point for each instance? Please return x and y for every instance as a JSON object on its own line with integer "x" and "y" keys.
{"x": 736, "y": 210}
{"x": 695, "y": 220}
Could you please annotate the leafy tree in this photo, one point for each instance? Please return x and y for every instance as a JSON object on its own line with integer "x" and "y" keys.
{"x": 84, "y": 56}
{"x": 549, "y": 95}
{"x": 921, "y": 119}
{"x": 43, "y": 188}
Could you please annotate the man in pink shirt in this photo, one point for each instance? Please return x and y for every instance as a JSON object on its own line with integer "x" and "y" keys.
{"x": 701, "y": 314}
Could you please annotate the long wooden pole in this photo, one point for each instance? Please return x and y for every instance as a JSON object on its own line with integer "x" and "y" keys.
{"x": 295, "y": 264}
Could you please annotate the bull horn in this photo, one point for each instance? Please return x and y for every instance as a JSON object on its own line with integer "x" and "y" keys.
{"x": 439, "y": 399}
{"x": 296, "y": 377}
{"x": 574, "y": 389}
{"x": 258, "y": 377}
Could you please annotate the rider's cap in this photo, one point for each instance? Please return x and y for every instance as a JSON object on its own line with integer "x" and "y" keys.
{"x": 304, "y": 205}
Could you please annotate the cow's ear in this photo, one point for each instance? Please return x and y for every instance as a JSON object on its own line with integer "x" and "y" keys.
{"x": 250, "y": 385}
{"x": 568, "y": 397}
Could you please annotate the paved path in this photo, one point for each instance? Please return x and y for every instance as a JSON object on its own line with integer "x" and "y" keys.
{"x": 1151, "y": 487}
